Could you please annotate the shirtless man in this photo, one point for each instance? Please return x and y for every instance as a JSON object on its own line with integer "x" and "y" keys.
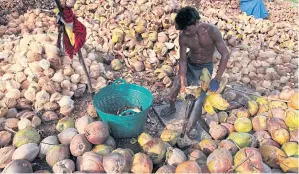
{"x": 201, "y": 38}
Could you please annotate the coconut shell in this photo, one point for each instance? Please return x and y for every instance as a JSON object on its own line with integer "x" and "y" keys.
{"x": 97, "y": 132}
{"x": 82, "y": 122}
{"x": 229, "y": 145}
{"x": 128, "y": 154}
{"x": 6, "y": 155}
{"x": 218, "y": 132}
{"x": 141, "y": 163}
{"x": 220, "y": 160}
{"x": 274, "y": 124}
{"x": 18, "y": 166}
{"x": 270, "y": 142}
{"x": 294, "y": 135}
{"x": 57, "y": 153}
{"x": 46, "y": 144}
{"x": 259, "y": 123}
{"x": 114, "y": 163}
{"x": 5, "y": 138}
{"x": 261, "y": 135}
{"x": 64, "y": 166}
{"x": 92, "y": 162}
{"x": 79, "y": 145}
{"x": 49, "y": 116}
{"x": 155, "y": 149}
{"x": 240, "y": 139}
{"x": 290, "y": 165}
{"x": 169, "y": 136}
{"x": 243, "y": 124}
{"x": 110, "y": 142}
{"x": 66, "y": 136}
{"x": 166, "y": 169}
{"x": 175, "y": 156}
{"x": 27, "y": 152}
{"x": 64, "y": 123}
{"x": 197, "y": 155}
{"x": 254, "y": 162}
{"x": 188, "y": 167}
{"x": 272, "y": 156}
{"x": 25, "y": 136}
{"x": 207, "y": 146}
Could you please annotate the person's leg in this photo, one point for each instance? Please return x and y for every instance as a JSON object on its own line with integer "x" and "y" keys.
{"x": 171, "y": 98}
{"x": 197, "y": 108}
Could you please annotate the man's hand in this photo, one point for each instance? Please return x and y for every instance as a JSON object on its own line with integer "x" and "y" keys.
{"x": 214, "y": 85}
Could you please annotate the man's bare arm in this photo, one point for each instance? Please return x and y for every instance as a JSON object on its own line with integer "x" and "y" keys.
{"x": 222, "y": 49}
{"x": 183, "y": 62}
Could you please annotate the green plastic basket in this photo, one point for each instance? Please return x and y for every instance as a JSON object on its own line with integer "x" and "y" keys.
{"x": 118, "y": 95}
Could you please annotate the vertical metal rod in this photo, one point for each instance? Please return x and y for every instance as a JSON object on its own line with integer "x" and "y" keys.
{"x": 86, "y": 72}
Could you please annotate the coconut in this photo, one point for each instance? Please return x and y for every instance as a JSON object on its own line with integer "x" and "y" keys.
{"x": 228, "y": 145}
{"x": 254, "y": 162}
{"x": 91, "y": 111}
{"x": 5, "y": 138}
{"x": 169, "y": 136}
{"x": 229, "y": 127}
{"x": 110, "y": 142}
{"x": 252, "y": 107}
{"x": 141, "y": 163}
{"x": 114, "y": 163}
{"x": 243, "y": 124}
{"x": 294, "y": 101}
{"x": 92, "y": 162}
{"x": 66, "y": 136}
{"x": 25, "y": 136}
{"x": 259, "y": 123}
{"x": 128, "y": 154}
{"x": 6, "y": 155}
{"x": 198, "y": 156}
{"x": 243, "y": 113}
{"x": 269, "y": 142}
{"x": 24, "y": 123}
{"x": 188, "y": 167}
{"x": 64, "y": 166}
{"x": 274, "y": 124}
{"x": 218, "y": 132}
{"x": 290, "y": 165}
{"x": 18, "y": 166}
{"x": 27, "y": 152}
{"x": 102, "y": 149}
{"x": 79, "y": 145}
{"x": 64, "y": 123}
{"x": 291, "y": 118}
{"x": 166, "y": 169}
{"x": 281, "y": 136}
{"x": 294, "y": 135}
{"x": 207, "y": 146}
{"x": 222, "y": 117}
{"x": 49, "y": 116}
{"x": 82, "y": 122}
{"x": 57, "y": 153}
{"x": 11, "y": 123}
{"x": 240, "y": 139}
{"x": 290, "y": 149}
{"x": 175, "y": 156}
{"x": 144, "y": 138}
{"x": 97, "y": 132}
{"x": 46, "y": 144}
{"x": 272, "y": 156}
{"x": 156, "y": 150}
{"x": 220, "y": 160}
{"x": 261, "y": 135}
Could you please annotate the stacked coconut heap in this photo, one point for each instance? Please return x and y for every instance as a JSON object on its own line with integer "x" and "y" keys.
{"x": 140, "y": 35}
{"x": 261, "y": 137}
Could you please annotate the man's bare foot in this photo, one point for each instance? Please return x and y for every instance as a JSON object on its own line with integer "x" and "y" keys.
{"x": 165, "y": 112}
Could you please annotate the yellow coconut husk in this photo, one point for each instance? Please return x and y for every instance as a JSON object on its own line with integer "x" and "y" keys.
{"x": 290, "y": 149}
{"x": 291, "y": 118}
{"x": 263, "y": 104}
{"x": 293, "y": 101}
{"x": 252, "y": 107}
{"x": 289, "y": 165}
{"x": 209, "y": 108}
{"x": 144, "y": 138}
{"x": 169, "y": 136}
{"x": 278, "y": 104}
{"x": 218, "y": 102}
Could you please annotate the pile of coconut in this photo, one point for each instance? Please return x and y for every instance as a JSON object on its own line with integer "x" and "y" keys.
{"x": 259, "y": 137}
{"x": 140, "y": 35}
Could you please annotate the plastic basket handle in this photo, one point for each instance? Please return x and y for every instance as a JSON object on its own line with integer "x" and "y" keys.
{"x": 127, "y": 112}
{"x": 119, "y": 81}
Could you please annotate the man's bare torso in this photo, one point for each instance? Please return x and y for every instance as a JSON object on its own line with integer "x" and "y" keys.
{"x": 201, "y": 45}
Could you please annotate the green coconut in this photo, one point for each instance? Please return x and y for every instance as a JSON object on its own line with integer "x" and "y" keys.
{"x": 290, "y": 148}
{"x": 64, "y": 123}
{"x": 243, "y": 124}
{"x": 241, "y": 139}
{"x": 25, "y": 136}
{"x": 156, "y": 150}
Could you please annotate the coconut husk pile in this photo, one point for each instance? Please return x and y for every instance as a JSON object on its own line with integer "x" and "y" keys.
{"x": 261, "y": 136}
{"x": 140, "y": 36}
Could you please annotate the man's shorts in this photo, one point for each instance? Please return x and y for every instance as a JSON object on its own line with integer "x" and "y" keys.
{"x": 194, "y": 71}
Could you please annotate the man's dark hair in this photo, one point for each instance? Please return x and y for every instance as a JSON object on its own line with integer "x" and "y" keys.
{"x": 185, "y": 17}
